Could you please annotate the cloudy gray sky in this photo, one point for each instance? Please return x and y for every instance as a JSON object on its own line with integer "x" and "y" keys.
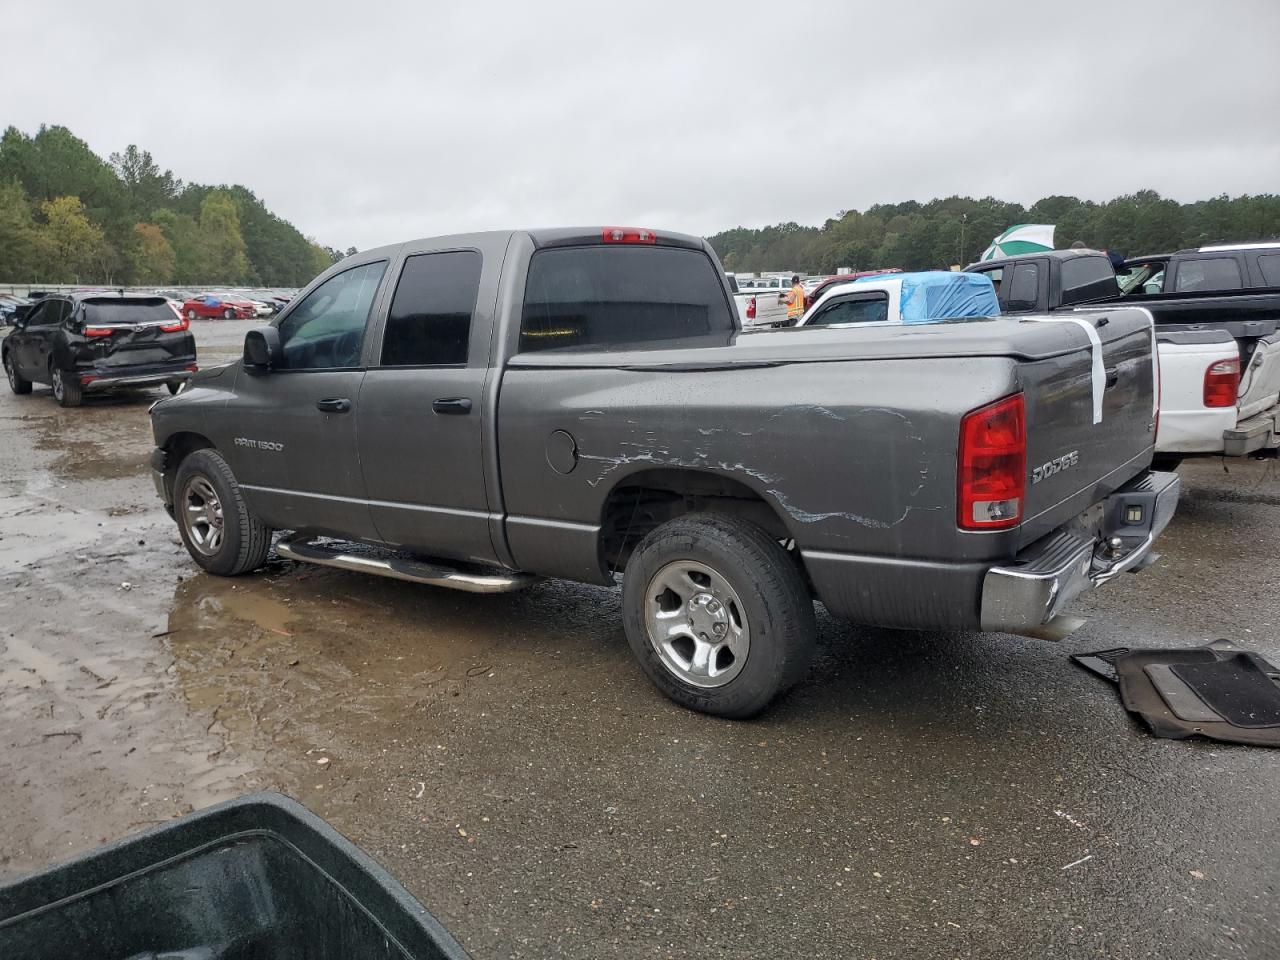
{"x": 368, "y": 123}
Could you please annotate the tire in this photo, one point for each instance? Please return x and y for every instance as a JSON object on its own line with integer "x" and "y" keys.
{"x": 226, "y": 539}
{"x": 191, "y": 316}
{"x": 731, "y": 578}
{"x": 228, "y": 314}
{"x": 17, "y": 382}
{"x": 173, "y": 386}
{"x": 66, "y": 389}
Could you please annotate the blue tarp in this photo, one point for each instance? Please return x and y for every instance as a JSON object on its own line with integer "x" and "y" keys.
{"x": 940, "y": 295}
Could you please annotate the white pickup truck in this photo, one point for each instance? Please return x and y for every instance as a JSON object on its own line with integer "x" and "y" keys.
{"x": 760, "y": 300}
{"x": 903, "y": 298}
{"x": 1218, "y": 344}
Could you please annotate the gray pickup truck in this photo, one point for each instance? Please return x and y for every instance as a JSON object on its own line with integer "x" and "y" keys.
{"x": 479, "y": 411}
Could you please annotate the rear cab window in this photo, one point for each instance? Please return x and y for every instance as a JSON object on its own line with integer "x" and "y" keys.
{"x": 597, "y": 297}
{"x": 1088, "y": 278}
{"x": 1024, "y": 287}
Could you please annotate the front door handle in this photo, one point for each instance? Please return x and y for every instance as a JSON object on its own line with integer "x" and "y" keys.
{"x": 334, "y": 405}
{"x": 1113, "y": 376}
{"x": 454, "y": 405}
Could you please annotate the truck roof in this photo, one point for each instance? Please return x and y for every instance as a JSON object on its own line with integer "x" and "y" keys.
{"x": 542, "y": 237}
{"x": 1052, "y": 254}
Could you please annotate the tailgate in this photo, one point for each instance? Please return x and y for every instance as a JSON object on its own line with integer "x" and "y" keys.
{"x": 1186, "y": 424}
{"x": 1090, "y": 426}
{"x": 132, "y": 331}
{"x": 1260, "y": 377}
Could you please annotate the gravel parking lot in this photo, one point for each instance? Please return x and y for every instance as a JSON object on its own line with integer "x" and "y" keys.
{"x": 921, "y": 795}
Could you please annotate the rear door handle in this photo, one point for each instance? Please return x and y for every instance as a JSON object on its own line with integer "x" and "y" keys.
{"x": 454, "y": 405}
{"x": 334, "y": 405}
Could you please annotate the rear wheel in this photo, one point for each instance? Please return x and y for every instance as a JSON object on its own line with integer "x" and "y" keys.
{"x": 718, "y": 615}
{"x": 218, "y": 529}
{"x": 174, "y": 386}
{"x": 228, "y": 314}
{"x": 17, "y": 382}
{"x": 66, "y": 388}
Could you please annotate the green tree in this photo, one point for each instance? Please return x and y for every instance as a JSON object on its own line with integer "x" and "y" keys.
{"x": 146, "y": 186}
{"x": 73, "y": 244}
{"x": 223, "y": 245}
{"x": 183, "y": 234}
{"x": 152, "y": 256}
{"x": 21, "y": 243}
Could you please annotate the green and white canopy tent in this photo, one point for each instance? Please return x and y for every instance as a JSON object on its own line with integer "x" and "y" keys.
{"x": 1019, "y": 239}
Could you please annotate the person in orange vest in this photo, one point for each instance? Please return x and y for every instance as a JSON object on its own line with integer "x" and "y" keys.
{"x": 795, "y": 301}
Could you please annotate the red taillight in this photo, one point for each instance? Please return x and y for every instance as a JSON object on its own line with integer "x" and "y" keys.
{"x": 627, "y": 235}
{"x": 177, "y": 326}
{"x": 98, "y": 331}
{"x": 751, "y": 308}
{"x": 1222, "y": 383}
{"x": 192, "y": 368}
{"x": 991, "y": 465}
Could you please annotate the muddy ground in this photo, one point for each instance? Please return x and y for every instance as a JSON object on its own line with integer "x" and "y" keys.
{"x": 922, "y": 795}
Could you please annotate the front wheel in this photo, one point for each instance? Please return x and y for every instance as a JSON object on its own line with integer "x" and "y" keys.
{"x": 718, "y": 615}
{"x": 218, "y": 529}
{"x": 17, "y": 382}
{"x": 191, "y": 316}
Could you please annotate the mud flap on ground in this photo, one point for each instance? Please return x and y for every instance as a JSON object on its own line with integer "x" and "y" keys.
{"x": 1221, "y": 691}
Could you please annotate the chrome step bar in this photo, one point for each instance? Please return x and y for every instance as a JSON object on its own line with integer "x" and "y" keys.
{"x": 299, "y": 547}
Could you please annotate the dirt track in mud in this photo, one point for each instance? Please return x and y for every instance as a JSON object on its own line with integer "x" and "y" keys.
{"x": 921, "y": 795}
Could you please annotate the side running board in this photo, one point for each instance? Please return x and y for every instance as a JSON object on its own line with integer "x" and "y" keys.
{"x": 348, "y": 556}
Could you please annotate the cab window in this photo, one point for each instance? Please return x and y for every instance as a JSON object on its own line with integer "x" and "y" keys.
{"x": 1216, "y": 273}
{"x": 430, "y": 319}
{"x": 864, "y": 308}
{"x": 326, "y": 330}
{"x": 1024, "y": 287}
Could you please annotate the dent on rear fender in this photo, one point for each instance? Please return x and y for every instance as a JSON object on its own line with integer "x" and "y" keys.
{"x": 876, "y": 482}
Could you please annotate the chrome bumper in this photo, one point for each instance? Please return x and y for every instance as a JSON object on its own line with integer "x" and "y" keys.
{"x": 137, "y": 380}
{"x": 1034, "y": 589}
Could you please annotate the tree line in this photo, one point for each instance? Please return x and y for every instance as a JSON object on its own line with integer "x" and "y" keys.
{"x": 955, "y": 230}
{"x": 68, "y": 216}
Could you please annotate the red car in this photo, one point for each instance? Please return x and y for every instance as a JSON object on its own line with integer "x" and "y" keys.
{"x": 209, "y": 305}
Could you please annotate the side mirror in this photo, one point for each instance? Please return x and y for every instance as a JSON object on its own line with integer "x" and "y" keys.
{"x": 262, "y": 350}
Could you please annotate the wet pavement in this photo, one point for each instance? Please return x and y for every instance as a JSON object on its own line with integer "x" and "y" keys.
{"x": 922, "y": 795}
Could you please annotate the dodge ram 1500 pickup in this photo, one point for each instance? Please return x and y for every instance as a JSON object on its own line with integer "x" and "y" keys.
{"x": 478, "y": 411}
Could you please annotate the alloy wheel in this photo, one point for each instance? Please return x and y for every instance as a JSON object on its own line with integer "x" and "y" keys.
{"x": 202, "y": 515}
{"x": 696, "y": 624}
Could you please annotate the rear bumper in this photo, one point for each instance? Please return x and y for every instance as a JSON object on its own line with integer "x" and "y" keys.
{"x": 1033, "y": 590}
{"x": 1016, "y": 597}
{"x": 149, "y": 376}
{"x": 1249, "y": 436}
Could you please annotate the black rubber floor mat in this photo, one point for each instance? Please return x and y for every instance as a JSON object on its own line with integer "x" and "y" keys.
{"x": 1103, "y": 662}
{"x": 1236, "y": 688}
{"x": 1140, "y": 695}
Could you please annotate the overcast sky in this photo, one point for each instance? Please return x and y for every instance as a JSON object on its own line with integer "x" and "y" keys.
{"x": 369, "y": 123}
